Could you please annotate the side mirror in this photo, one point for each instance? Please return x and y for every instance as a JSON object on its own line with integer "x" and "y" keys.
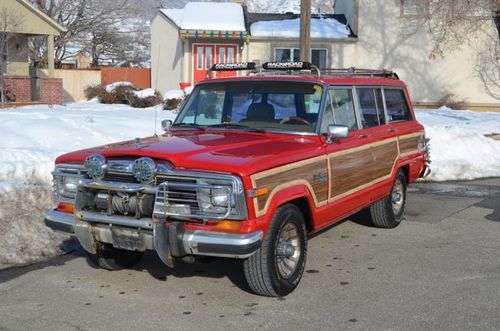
{"x": 336, "y": 132}
{"x": 166, "y": 125}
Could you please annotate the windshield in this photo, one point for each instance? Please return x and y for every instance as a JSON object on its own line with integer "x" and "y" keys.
{"x": 250, "y": 105}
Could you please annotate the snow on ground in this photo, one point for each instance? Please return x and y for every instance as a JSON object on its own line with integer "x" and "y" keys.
{"x": 320, "y": 28}
{"x": 459, "y": 148}
{"x": 32, "y": 137}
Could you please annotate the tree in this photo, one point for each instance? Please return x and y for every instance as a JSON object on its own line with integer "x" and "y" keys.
{"x": 455, "y": 23}
{"x": 91, "y": 25}
{"x": 10, "y": 22}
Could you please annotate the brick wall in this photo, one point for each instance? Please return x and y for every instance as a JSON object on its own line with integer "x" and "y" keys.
{"x": 51, "y": 91}
{"x": 20, "y": 85}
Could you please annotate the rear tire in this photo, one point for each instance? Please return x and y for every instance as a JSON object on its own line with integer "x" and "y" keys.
{"x": 277, "y": 266}
{"x": 110, "y": 258}
{"x": 388, "y": 212}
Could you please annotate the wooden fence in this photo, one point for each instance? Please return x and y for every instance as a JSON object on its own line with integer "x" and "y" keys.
{"x": 74, "y": 81}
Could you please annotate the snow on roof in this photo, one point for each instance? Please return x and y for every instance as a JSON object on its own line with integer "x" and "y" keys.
{"x": 320, "y": 28}
{"x": 217, "y": 16}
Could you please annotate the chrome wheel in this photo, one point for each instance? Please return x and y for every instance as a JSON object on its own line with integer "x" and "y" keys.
{"x": 288, "y": 250}
{"x": 397, "y": 197}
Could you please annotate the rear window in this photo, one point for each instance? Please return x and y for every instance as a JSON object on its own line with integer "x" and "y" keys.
{"x": 397, "y": 106}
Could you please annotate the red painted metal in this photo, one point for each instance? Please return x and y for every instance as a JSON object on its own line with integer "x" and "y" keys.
{"x": 247, "y": 153}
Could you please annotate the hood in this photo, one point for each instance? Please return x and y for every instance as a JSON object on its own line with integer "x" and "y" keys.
{"x": 237, "y": 152}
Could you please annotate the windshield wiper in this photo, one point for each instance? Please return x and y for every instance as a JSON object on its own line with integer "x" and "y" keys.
{"x": 189, "y": 126}
{"x": 229, "y": 125}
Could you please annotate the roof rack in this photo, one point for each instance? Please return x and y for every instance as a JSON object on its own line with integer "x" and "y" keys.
{"x": 352, "y": 71}
{"x": 299, "y": 67}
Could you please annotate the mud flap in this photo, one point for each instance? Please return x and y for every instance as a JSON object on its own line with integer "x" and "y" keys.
{"x": 85, "y": 237}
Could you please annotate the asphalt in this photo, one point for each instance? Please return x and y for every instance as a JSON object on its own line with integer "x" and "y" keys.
{"x": 440, "y": 269}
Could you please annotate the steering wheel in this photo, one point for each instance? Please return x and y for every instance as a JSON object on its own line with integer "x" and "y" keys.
{"x": 294, "y": 120}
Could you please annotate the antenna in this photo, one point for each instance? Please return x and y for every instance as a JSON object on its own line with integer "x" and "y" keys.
{"x": 156, "y": 82}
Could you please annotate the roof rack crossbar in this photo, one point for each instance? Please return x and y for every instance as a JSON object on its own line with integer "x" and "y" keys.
{"x": 352, "y": 71}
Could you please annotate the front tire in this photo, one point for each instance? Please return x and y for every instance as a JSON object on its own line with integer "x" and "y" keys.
{"x": 388, "y": 212}
{"x": 277, "y": 266}
{"x": 110, "y": 258}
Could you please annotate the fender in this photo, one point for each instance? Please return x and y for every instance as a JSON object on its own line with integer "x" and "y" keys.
{"x": 282, "y": 196}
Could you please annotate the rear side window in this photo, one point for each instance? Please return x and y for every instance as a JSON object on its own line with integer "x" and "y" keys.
{"x": 397, "y": 106}
{"x": 371, "y": 107}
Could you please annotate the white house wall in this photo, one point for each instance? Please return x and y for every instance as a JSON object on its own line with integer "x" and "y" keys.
{"x": 166, "y": 55}
{"x": 383, "y": 43}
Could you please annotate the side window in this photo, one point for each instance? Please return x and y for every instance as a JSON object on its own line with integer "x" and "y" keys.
{"x": 397, "y": 106}
{"x": 368, "y": 104}
{"x": 339, "y": 109}
{"x": 380, "y": 106}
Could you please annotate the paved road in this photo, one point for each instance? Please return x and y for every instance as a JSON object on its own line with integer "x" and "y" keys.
{"x": 439, "y": 270}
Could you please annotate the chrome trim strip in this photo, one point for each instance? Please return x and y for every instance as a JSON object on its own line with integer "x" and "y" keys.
{"x": 60, "y": 221}
{"x": 214, "y": 242}
{"x": 89, "y": 216}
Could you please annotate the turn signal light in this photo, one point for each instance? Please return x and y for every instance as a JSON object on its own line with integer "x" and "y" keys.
{"x": 258, "y": 192}
{"x": 65, "y": 207}
{"x": 228, "y": 225}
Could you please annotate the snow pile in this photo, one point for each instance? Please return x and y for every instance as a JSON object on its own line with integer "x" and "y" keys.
{"x": 111, "y": 87}
{"x": 320, "y": 28}
{"x": 146, "y": 93}
{"x": 459, "y": 148}
{"x": 32, "y": 137}
{"x": 174, "y": 94}
{"x": 217, "y": 16}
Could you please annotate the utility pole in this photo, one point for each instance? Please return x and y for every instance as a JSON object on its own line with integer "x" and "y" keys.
{"x": 305, "y": 30}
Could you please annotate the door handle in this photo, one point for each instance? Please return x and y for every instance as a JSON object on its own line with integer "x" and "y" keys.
{"x": 392, "y": 130}
{"x": 364, "y": 135}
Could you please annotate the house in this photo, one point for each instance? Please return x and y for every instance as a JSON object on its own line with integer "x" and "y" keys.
{"x": 19, "y": 21}
{"x": 362, "y": 33}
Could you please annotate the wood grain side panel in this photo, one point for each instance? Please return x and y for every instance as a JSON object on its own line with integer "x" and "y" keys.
{"x": 384, "y": 157}
{"x": 409, "y": 144}
{"x": 349, "y": 171}
{"x": 305, "y": 173}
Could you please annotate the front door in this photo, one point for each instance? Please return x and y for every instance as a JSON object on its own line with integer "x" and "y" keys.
{"x": 350, "y": 158}
{"x": 205, "y": 55}
{"x": 202, "y": 61}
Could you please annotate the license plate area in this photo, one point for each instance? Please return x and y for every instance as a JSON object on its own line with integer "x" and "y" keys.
{"x": 128, "y": 239}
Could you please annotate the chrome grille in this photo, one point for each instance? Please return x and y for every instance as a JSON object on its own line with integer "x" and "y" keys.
{"x": 180, "y": 199}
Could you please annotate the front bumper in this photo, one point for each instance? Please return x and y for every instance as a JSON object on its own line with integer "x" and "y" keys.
{"x": 172, "y": 238}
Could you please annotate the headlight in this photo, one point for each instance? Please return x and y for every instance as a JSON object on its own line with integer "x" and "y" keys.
{"x": 65, "y": 181}
{"x": 214, "y": 200}
{"x": 65, "y": 186}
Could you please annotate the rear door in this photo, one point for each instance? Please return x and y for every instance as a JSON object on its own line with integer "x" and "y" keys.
{"x": 384, "y": 145}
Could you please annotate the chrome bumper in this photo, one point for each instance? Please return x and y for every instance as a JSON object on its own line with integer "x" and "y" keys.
{"x": 173, "y": 239}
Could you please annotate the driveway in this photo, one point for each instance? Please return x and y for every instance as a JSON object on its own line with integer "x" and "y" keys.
{"x": 440, "y": 269}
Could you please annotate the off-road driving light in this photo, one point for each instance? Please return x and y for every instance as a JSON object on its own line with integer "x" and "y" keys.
{"x": 95, "y": 166}
{"x": 144, "y": 169}
{"x": 299, "y": 65}
{"x": 233, "y": 66}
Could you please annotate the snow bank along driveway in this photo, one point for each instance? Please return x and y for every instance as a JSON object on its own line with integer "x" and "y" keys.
{"x": 32, "y": 137}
